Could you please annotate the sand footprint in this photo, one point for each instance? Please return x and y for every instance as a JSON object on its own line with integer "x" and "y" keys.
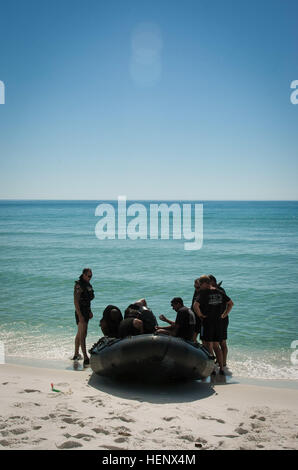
{"x": 70, "y": 420}
{"x": 85, "y": 437}
{"x": 18, "y": 431}
{"x": 18, "y": 418}
{"x": 97, "y": 401}
{"x": 260, "y": 418}
{"x": 169, "y": 418}
{"x": 5, "y": 443}
{"x": 240, "y": 430}
{"x": 123, "y": 418}
{"x": 210, "y": 418}
{"x": 150, "y": 431}
{"x": 123, "y": 431}
{"x": 69, "y": 445}
{"x": 120, "y": 439}
{"x": 110, "y": 447}
{"x": 187, "y": 437}
{"x": 101, "y": 430}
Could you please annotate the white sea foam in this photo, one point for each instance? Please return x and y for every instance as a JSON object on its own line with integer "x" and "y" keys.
{"x": 263, "y": 370}
{"x": 273, "y": 365}
{"x": 267, "y": 364}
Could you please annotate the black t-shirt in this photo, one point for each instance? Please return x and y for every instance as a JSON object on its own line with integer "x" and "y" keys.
{"x": 224, "y": 303}
{"x": 145, "y": 314}
{"x": 212, "y": 302}
{"x": 85, "y": 294}
{"x": 126, "y": 328}
{"x": 185, "y": 320}
{"x": 149, "y": 320}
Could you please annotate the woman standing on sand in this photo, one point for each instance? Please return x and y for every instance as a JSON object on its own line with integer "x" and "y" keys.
{"x": 83, "y": 294}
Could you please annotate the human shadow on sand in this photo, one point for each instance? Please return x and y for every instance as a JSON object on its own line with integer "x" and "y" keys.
{"x": 158, "y": 393}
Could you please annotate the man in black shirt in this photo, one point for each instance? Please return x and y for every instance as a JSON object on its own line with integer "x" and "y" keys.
{"x": 184, "y": 325}
{"x": 209, "y": 306}
{"x": 224, "y": 323}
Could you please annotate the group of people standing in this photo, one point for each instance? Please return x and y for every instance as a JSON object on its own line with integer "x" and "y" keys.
{"x": 207, "y": 317}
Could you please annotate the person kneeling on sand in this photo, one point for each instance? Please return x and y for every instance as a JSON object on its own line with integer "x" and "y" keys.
{"x": 209, "y": 307}
{"x": 183, "y": 326}
{"x": 110, "y": 321}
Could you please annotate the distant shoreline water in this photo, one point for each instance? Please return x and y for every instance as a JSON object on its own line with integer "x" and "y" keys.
{"x": 251, "y": 246}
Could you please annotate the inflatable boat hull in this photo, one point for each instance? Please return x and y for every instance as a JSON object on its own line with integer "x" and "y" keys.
{"x": 150, "y": 358}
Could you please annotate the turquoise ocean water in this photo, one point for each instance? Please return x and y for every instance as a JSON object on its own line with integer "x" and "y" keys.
{"x": 250, "y": 246}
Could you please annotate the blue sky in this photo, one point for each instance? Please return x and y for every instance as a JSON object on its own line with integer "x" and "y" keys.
{"x": 149, "y": 99}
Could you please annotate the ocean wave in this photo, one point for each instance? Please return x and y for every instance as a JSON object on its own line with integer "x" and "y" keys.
{"x": 250, "y": 368}
{"x": 272, "y": 365}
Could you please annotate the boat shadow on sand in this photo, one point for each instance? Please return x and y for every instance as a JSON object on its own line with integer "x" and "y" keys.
{"x": 158, "y": 393}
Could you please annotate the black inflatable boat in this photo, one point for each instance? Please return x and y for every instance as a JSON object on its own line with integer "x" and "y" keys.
{"x": 151, "y": 358}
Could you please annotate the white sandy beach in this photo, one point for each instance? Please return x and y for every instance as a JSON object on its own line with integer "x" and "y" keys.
{"x": 90, "y": 412}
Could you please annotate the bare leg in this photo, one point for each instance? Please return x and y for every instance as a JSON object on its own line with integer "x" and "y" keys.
{"x": 82, "y": 332}
{"x": 77, "y": 343}
{"x": 218, "y": 353}
{"x": 209, "y": 346}
{"x": 224, "y": 348}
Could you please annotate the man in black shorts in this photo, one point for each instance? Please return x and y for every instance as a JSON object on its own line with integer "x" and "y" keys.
{"x": 198, "y": 320}
{"x": 224, "y": 323}
{"x": 184, "y": 325}
{"x": 209, "y": 307}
